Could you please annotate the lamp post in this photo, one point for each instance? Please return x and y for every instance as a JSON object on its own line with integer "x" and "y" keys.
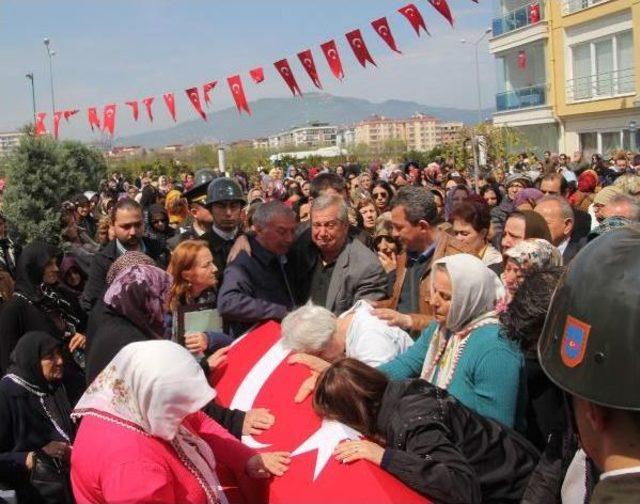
{"x": 29, "y": 76}
{"x": 51, "y": 53}
{"x": 474, "y": 139}
{"x": 633, "y": 126}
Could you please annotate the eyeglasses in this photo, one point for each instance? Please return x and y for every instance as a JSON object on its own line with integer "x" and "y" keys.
{"x": 380, "y": 195}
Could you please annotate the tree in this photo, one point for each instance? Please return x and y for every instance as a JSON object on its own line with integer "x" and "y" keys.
{"x": 41, "y": 174}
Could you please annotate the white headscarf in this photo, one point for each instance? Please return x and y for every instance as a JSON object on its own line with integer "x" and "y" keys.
{"x": 475, "y": 289}
{"x": 155, "y": 385}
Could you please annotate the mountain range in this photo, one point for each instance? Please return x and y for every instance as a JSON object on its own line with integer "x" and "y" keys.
{"x": 273, "y": 115}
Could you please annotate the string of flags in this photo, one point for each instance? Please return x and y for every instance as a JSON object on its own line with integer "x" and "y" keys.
{"x": 354, "y": 38}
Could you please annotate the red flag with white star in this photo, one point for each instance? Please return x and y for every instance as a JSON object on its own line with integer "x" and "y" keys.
{"x": 359, "y": 48}
{"x": 306, "y": 58}
{"x": 257, "y": 74}
{"x": 134, "y": 109}
{"x": 69, "y": 113}
{"x": 206, "y": 91}
{"x": 92, "y": 114}
{"x": 40, "y": 127}
{"x": 330, "y": 50}
{"x": 147, "y": 104}
{"x": 170, "y": 102}
{"x": 237, "y": 90}
{"x": 109, "y": 118}
{"x": 443, "y": 8}
{"x": 414, "y": 17}
{"x": 284, "y": 70}
{"x": 381, "y": 26}
{"x": 194, "y": 98}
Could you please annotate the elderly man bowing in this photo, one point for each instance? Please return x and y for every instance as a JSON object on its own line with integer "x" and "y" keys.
{"x": 259, "y": 287}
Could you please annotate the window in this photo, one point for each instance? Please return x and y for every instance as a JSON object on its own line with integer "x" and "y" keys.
{"x": 602, "y": 68}
{"x": 589, "y": 143}
{"x": 607, "y": 142}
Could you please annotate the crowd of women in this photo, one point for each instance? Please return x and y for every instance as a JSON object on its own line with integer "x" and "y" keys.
{"x": 104, "y": 406}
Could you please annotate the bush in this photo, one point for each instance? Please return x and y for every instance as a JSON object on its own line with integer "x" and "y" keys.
{"x": 41, "y": 174}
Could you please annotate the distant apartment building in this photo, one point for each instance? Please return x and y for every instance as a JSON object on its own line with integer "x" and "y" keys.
{"x": 8, "y": 141}
{"x": 261, "y": 143}
{"x": 566, "y": 73}
{"x": 419, "y": 132}
{"x": 311, "y": 135}
{"x": 126, "y": 152}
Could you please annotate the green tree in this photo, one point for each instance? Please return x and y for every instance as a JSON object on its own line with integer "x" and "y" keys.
{"x": 41, "y": 174}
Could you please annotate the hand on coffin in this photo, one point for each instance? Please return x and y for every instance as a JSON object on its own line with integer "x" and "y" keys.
{"x": 256, "y": 421}
{"x": 311, "y": 361}
{"x": 307, "y": 387}
{"x": 361, "y": 449}
{"x": 218, "y": 358}
{"x": 265, "y": 465}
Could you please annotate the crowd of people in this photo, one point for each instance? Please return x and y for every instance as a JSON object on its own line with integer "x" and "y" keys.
{"x": 420, "y": 299}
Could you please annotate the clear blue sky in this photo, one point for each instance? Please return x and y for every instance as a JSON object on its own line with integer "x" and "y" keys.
{"x": 119, "y": 50}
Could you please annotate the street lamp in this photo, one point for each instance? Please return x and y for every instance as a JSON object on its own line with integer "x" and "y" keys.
{"x": 51, "y": 53}
{"x": 633, "y": 126}
{"x": 33, "y": 95}
{"x": 474, "y": 142}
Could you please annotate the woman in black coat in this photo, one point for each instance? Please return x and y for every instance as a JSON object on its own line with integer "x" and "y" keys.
{"x": 35, "y": 428}
{"x": 40, "y": 303}
{"x": 432, "y": 442}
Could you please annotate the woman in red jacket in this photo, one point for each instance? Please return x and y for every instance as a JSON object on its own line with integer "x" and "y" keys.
{"x": 144, "y": 439}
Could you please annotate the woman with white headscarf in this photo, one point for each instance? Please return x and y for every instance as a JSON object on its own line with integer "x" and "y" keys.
{"x": 461, "y": 350}
{"x": 144, "y": 439}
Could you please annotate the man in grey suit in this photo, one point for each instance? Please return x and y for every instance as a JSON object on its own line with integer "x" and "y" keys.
{"x": 345, "y": 270}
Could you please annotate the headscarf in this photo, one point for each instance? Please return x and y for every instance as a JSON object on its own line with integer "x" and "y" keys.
{"x": 30, "y": 270}
{"x": 529, "y": 195}
{"x": 587, "y": 181}
{"x": 68, "y": 265}
{"x": 534, "y": 253}
{"x": 431, "y": 173}
{"x": 475, "y": 289}
{"x": 129, "y": 258}
{"x": 138, "y": 293}
{"x": 153, "y": 386}
{"x": 605, "y": 194}
{"x": 177, "y": 212}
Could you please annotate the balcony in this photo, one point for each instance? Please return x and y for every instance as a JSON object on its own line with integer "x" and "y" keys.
{"x": 603, "y": 85}
{"x": 533, "y": 96}
{"x": 527, "y": 15}
{"x": 571, "y": 6}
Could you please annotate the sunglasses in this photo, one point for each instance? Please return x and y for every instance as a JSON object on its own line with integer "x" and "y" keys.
{"x": 380, "y": 195}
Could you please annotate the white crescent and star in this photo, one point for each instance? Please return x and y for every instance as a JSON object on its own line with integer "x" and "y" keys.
{"x": 382, "y": 30}
{"x": 357, "y": 42}
{"x": 235, "y": 88}
{"x": 333, "y": 54}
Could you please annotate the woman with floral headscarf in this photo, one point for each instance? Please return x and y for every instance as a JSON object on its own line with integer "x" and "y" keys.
{"x": 144, "y": 439}
{"x": 462, "y": 350}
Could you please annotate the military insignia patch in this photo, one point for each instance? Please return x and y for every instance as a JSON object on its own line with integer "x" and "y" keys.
{"x": 574, "y": 341}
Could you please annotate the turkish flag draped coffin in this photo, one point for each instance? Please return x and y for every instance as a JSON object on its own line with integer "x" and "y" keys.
{"x": 257, "y": 375}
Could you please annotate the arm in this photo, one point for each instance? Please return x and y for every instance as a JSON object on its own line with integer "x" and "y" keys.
{"x": 12, "y": 464}
{"x": 137, "y": 483}
{"x": 236, "y": 301}
{"x": 230, "y": 419}
{"x": 409, "y": 364}
{"x": 95, "y": 285}
{"x": 434, "y": 466}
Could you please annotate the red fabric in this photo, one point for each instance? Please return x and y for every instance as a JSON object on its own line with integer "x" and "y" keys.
{"x": 237, "y": 90}
{"x": 257, "y": 74}
{"x": 330, "y": 50}
{"x": 381, "y": 26}
{"x": 194, "y": 98}
{"x": 534, "y": 12}
{"x": 283, "y": 68}
{"x": 147, "y": 103}
{"x": 40, "y": 127}
{"x": 306, "y": 58}
{"x": 69, "y": 113}
{"x": 443, "y": 8}
{"x": 357, "y": 483}
{"x": 56, "y": 123}
{"x": 587, "y": 181}
{"x": 111, "y": 463}
{"x": 206, "y": 91}
{"x": 92, "y": 113}
{"x": 134, "y": 109}
{"x": 359, "y": 48}
{"x": 522, "y": 60}
{"x": 109, "y": 118}
{"x": 411, "y": 12}
{"x": 170, "y": 102}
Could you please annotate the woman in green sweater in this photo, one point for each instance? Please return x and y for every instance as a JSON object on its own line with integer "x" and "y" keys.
{"x": 461, "y": 350}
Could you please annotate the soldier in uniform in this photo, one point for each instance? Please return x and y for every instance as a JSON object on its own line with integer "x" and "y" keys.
{"x": 590, "y": 347}
{"x": 225, "y": 200}
{"x": 201, "y": 218}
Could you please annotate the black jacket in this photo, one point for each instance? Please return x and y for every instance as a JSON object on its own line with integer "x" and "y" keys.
{"x": 102, "y": 261}
{"x": 447, "y": 452}
{"x": 220, "y": 249}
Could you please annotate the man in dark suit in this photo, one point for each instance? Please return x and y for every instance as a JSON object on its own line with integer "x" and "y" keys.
{"x": 559, "y": 216}
{"x": 128, "y": 226}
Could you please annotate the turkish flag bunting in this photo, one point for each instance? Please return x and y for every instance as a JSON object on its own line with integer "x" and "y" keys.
{"x": 381, "y": 26}
{"x": 68, "y": 113}
{"x": 443, "y": 8}
{"x": 92, "y": 113}
{"x": 41, "y": 129}
{"x": 522, "y": 60}
{"x": 147, "y": 103}
{"x": 170, "y": 102}
{"x": 237, "y": 90}
{"x": 206, "y": 91}
{"x": 359, "y": 48}
{"x": 257, "y": 74}
{"x": 534, "y": 12}
{"x": 56, "y": 122}
{"x": 330, "y": 51}
{"x": 194, "y": 97}
{"x": 414, "y": 17}
{"x": 109, "y": 118}
{"x": 284, "y": 70}
{"x": 306, "y": 58}
{"x": 257, "y": 375}
{"x": 134, "y": 109}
